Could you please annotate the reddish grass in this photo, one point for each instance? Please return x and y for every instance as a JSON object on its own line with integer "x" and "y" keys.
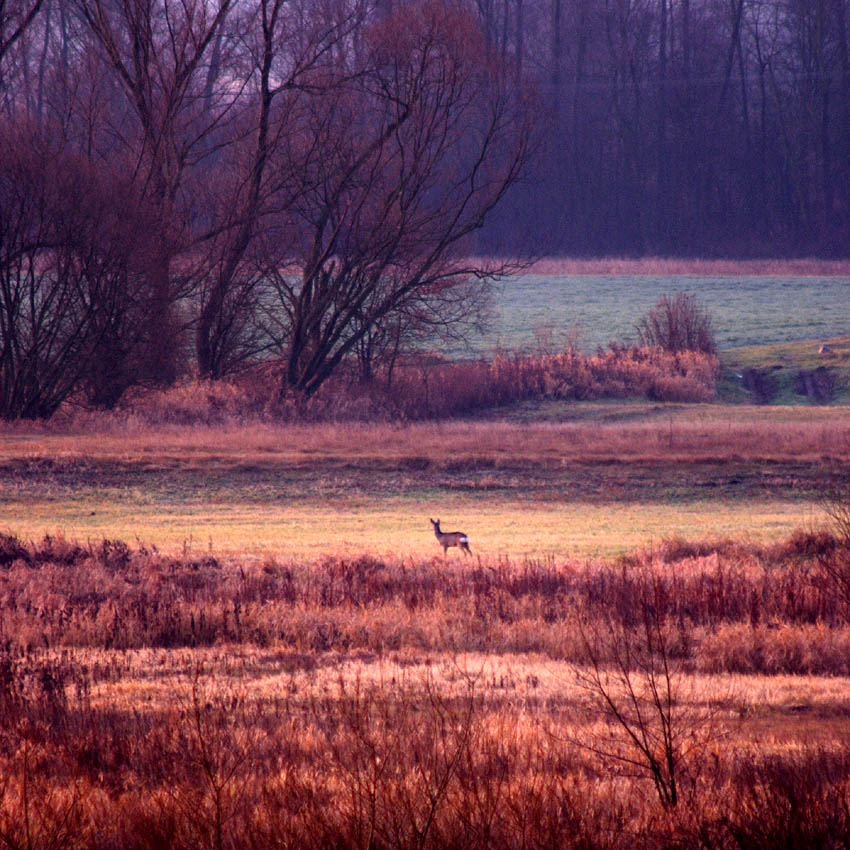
{"x": 424, "y": 387}
{"x": 803, "y": 267}
{"x": 743, "y": 607}
{"x": 402, "y": 763}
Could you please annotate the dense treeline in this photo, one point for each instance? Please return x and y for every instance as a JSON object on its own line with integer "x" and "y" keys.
{"x": 717, "y": 128}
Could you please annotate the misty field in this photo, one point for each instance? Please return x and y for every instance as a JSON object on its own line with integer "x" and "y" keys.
{"x": 746, "y": 311}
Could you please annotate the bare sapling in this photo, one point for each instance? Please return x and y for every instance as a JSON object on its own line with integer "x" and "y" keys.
{"x": 640, "y": 719}
{"x": 834, "y": 559}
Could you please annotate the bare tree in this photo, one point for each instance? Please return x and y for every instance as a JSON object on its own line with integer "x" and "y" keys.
{"x": 441, "y": 318}
{"x": 396, "y": 169}
{"x": 16, "y": 16}
{"x": 67, "y": 248}
{"x": 166, "y": 56}
{"x": 834, "y": 556}
{"x": 290, "y": 55}
{"x": 633, "y": 675}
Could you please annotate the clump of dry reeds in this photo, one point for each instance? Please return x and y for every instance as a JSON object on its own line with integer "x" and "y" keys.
{"x": 429, "y": 387}
{"x": 739, "y": 607}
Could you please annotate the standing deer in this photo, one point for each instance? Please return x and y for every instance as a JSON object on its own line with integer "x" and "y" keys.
{"x": 451, "y": 538}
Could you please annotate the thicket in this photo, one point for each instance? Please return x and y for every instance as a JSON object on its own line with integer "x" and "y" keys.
{"x": 736, "y": 607}
{"x": 203, "y": 243}
{"x": 371, "y": 766}
{"x": 431, "y": 387}
{"x": 678, "y": 323}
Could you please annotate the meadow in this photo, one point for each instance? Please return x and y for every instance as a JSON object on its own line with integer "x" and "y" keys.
{"x": 225, "y": 626}
{"x": 244, "y": 635}
{"x": 691, "y": 694}
{"x": 603, "y": 306}
{"x": 615, "y": 477}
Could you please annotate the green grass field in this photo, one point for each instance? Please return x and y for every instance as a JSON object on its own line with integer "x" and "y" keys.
{"x": 746, "y": 309}
{"x": 784, "y": 362}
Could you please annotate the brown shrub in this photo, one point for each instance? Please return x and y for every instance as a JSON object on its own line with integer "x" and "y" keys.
{"x": 397, "y": 764}
{"x": 804, "y": 650}
{"x": 61, "y": 594}
{"x": 429, "y": 387}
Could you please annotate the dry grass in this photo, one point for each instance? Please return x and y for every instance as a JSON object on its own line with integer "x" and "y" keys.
{"x": 580, "y": 488}
{"x": 419, "y": 387}
{"x": 670, "y": 432}
{"x": 385, "y": 704}
{"x": 398, "y": 528}
{"x": 61, "y": 593}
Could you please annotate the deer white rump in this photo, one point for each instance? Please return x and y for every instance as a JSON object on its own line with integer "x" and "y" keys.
{"x": 451, "y": 538}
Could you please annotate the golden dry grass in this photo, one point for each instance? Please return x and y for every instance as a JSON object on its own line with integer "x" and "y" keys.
{"x": 579, "y": 488}
{"x": 390, "y": 528}
{"x": 353, "y": 703}
{"x": 602, "y": 430}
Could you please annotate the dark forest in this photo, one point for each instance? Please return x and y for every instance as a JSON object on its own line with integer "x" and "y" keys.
{"x": 707, "y": 127}
{"x": 188, "y": 186}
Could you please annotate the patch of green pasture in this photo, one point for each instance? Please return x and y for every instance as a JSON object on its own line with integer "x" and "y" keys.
{"x": 745, "y": 309}
{"x": 639, "y": 411}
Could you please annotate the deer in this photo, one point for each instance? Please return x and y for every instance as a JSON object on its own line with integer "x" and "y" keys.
{"x": 451, "y": 538}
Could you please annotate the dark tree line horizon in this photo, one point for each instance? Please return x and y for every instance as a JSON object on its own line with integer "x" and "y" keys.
{"x": 682, "y": 127}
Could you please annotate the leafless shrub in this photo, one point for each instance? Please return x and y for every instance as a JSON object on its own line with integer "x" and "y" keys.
{"x": 36, "y": 811}
{"x": 836, "y": 502}
{"x": 431, "y": 387}
{"x": 678, "y": 323}
{"x": 632, "y": 673}
{"x": 795, "y": 801}
{"x": 835, "y": 559}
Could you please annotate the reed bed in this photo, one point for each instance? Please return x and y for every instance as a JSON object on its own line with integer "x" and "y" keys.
{"x": 150, "y": 701}
{"x": 418, "y": 387}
